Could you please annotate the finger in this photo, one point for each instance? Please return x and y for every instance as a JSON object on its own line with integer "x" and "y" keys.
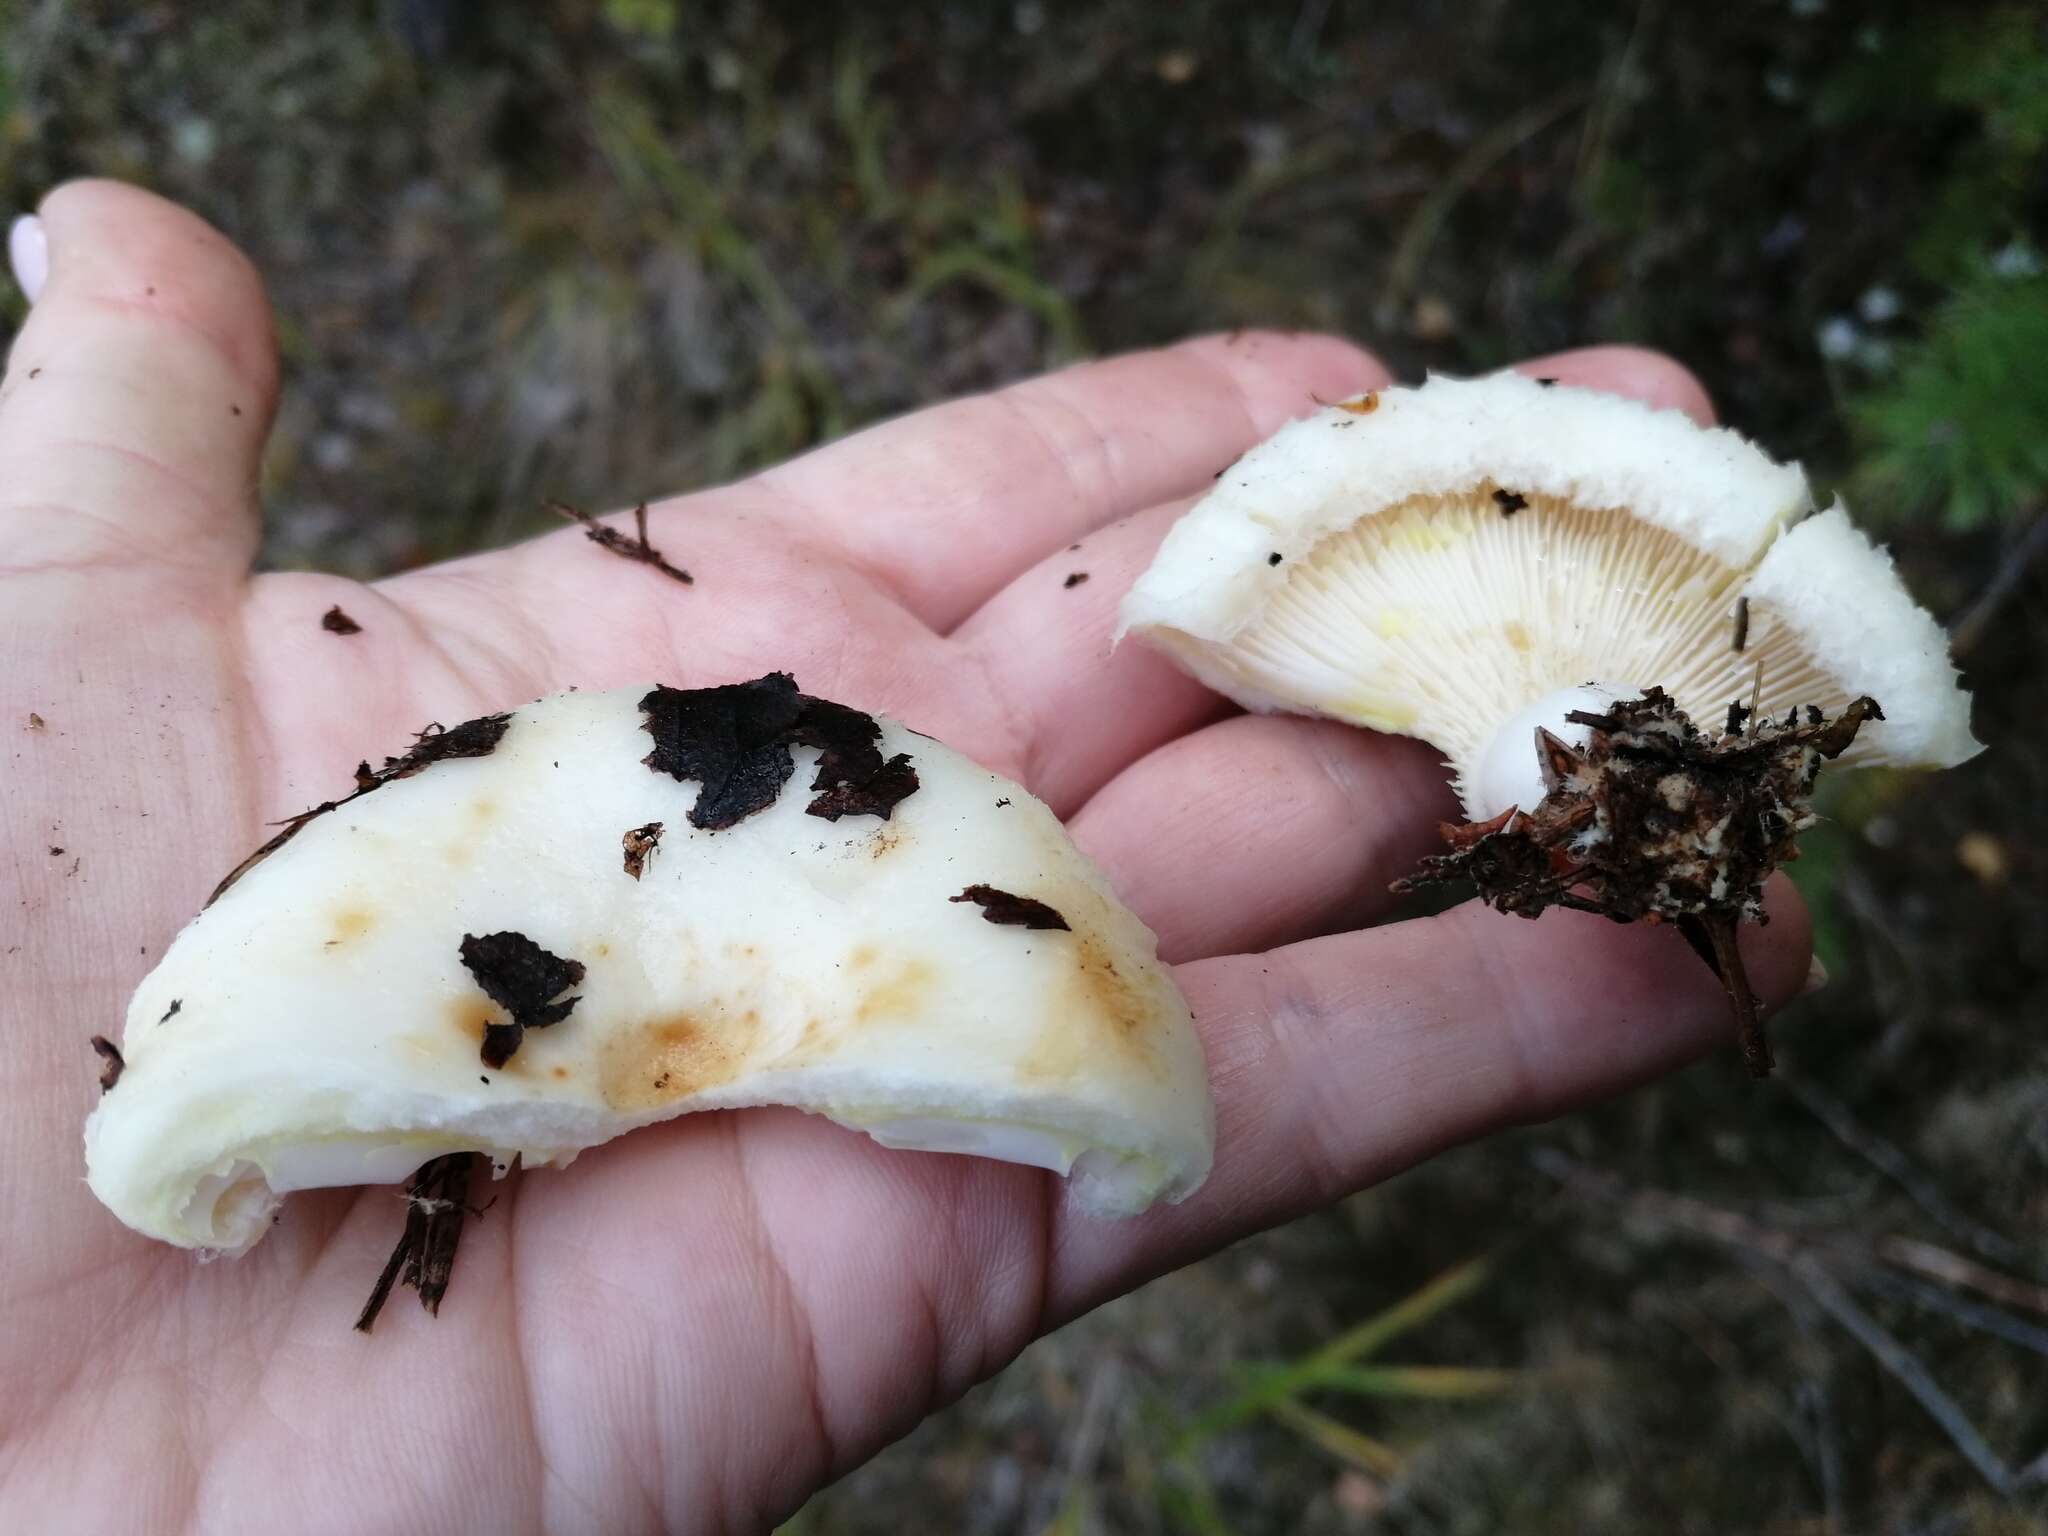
{"x": 1264, "y": 829}
{"x": 946, "y": 505}
{"x": 1636, "y": 372}
{"x": 1343, "y": 1060}
{"x": 1043, "y": 643}
{"x": 138, "y": 392}
{"x": 1085, "y": 709}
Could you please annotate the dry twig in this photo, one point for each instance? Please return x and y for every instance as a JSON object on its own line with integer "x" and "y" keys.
{"x": 636, "y": 548}
{"x": 1977, "y": 620}
{"x": 1814, "y": 1260}
{"x": 1894, "y": 1164}
{"x": 1905, "y": 1367}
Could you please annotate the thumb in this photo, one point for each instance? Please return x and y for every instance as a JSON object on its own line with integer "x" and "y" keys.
{"x": 139, "y": 391}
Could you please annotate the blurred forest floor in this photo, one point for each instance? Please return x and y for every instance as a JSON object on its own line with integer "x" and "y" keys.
{"x": 602, "y": 252}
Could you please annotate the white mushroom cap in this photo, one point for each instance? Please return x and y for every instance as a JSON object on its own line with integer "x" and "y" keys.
{"x": 1444, "y": 560}
{"x": 1840, "y": 602}
{"x": 327, "y": 1032}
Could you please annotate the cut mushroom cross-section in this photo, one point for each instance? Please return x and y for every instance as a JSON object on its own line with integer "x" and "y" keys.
{"x": 457, "y": 961}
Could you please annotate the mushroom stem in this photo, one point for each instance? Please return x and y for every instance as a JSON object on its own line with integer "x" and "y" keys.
{"x": 1713, "y": 940}
{"x": 1658, "y": 821}
{"x": 1509, "y": 770}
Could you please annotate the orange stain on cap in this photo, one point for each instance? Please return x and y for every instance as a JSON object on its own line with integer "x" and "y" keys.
{"x": 670, "y": 1058}
{"x": 350, "y": 923}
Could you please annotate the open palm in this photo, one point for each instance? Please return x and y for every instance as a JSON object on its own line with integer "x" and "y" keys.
{"x": 698, "y": 1324}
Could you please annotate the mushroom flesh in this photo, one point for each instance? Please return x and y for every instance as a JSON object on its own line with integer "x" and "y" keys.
{"x": 603, "y": 910}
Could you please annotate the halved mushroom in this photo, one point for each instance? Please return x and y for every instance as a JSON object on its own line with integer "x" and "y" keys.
{"x": 1552, "y": 586}
{"x": 1467, "y": 560}
{"x": 542, "y": 937}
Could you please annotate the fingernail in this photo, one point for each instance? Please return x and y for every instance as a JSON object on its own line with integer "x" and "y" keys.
{"x": 28, "y": 253}
{"x": 1816, "y": 978}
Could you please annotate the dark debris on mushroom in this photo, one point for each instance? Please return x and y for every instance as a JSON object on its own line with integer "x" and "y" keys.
{"x": 1657, "y": 821}
{"x": 1012, "y": 910}
{"x": 434, "y": 744}
{"x": 735, "y": 741}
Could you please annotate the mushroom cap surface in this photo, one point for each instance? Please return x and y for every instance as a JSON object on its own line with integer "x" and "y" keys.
{"x": 317, "y": 1025}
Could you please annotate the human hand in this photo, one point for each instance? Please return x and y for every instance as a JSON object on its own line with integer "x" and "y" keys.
{"x": 696, "y": 1325}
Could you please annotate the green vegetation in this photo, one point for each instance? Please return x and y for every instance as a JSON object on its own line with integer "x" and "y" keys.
{"x": 1277, "y": 1392}
{"x": 603, "y": 252}
{"x": 1949, "y": 424}
{"x": 1956, "y": 434}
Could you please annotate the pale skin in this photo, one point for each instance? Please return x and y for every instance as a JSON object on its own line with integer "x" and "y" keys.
{"x": 696, "y": 1326}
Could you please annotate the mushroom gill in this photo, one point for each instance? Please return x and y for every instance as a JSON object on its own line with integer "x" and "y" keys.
{"x": 1464, "y": 560}
{"x": 1427, "y": 617}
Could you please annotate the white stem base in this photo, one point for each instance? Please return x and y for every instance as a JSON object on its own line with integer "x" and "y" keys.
{"x": 1509, "y": 771}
